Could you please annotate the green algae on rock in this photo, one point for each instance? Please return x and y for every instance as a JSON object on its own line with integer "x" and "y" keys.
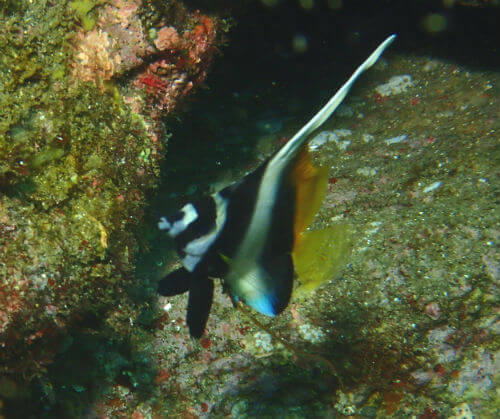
{"x": 61, "y": 217}
{"x": 82, "y": 9}
{"x": 76, "y": 162}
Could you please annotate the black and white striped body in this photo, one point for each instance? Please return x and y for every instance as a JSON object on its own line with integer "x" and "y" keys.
{"x": 209, "y": 234}
{"x": 244, "y": 233}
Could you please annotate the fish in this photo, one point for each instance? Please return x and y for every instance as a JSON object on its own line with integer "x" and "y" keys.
{"x": 249, "y": 233}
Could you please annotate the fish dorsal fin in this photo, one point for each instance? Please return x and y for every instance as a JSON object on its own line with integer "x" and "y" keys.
{"x": 310, "y": 183}
{"x": 324, "y": 113}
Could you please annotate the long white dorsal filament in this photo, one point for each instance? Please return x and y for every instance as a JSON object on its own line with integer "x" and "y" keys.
{"x": 298, "y": 139}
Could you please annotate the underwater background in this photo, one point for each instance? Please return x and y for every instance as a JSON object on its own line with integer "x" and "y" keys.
{"x": 113, "y": 112}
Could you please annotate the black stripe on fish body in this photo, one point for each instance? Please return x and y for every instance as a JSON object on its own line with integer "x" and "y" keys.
{"x": 276, "y": 258}
{"x": 280, "y": 271}
{"x": 241, "y": 198}
{"x": 274, "y": 280}
{"x": 281, "y": 235}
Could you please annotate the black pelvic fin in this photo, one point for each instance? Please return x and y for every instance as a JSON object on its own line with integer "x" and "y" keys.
{"x": 200, "y": 301}
{"x": 176, "y": 282}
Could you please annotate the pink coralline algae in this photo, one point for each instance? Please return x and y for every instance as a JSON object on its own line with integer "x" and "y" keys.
{"x": 201, "y": 39}
{"x": 167, "y": 39}
{"x": 117, "y": 43}
{"x": 157, "y": 73}
{"x": 181, "y": 65}
{"x": 95, "y": 60}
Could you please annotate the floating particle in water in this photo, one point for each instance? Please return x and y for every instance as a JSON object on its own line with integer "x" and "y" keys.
{"x": 334, "y": 4}
{"x": 434, "y": 23}
{"x": 270, "y": 126}
{"x": 269, "y": 3}
{"x": 300, "y": 43}
{"x": 307, "y": 4}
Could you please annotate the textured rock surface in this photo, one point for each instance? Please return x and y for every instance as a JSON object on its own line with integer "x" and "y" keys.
{"x": 82, "y": 91}
{"x": 411, "y": 327}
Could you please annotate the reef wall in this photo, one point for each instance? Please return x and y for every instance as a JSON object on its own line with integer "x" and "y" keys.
{"x": 84, "y": 88}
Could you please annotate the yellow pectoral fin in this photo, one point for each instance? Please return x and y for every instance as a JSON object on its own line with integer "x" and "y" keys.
{"x": 320, "y": 255}
{"x": 310, "y": 185}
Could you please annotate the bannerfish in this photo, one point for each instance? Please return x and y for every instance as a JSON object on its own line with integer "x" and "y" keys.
{"x": 246, "y": 233}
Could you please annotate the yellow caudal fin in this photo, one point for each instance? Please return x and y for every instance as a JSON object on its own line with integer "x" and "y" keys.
{"x": 310, "y": 185}
{"x": 320, "y": 255}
